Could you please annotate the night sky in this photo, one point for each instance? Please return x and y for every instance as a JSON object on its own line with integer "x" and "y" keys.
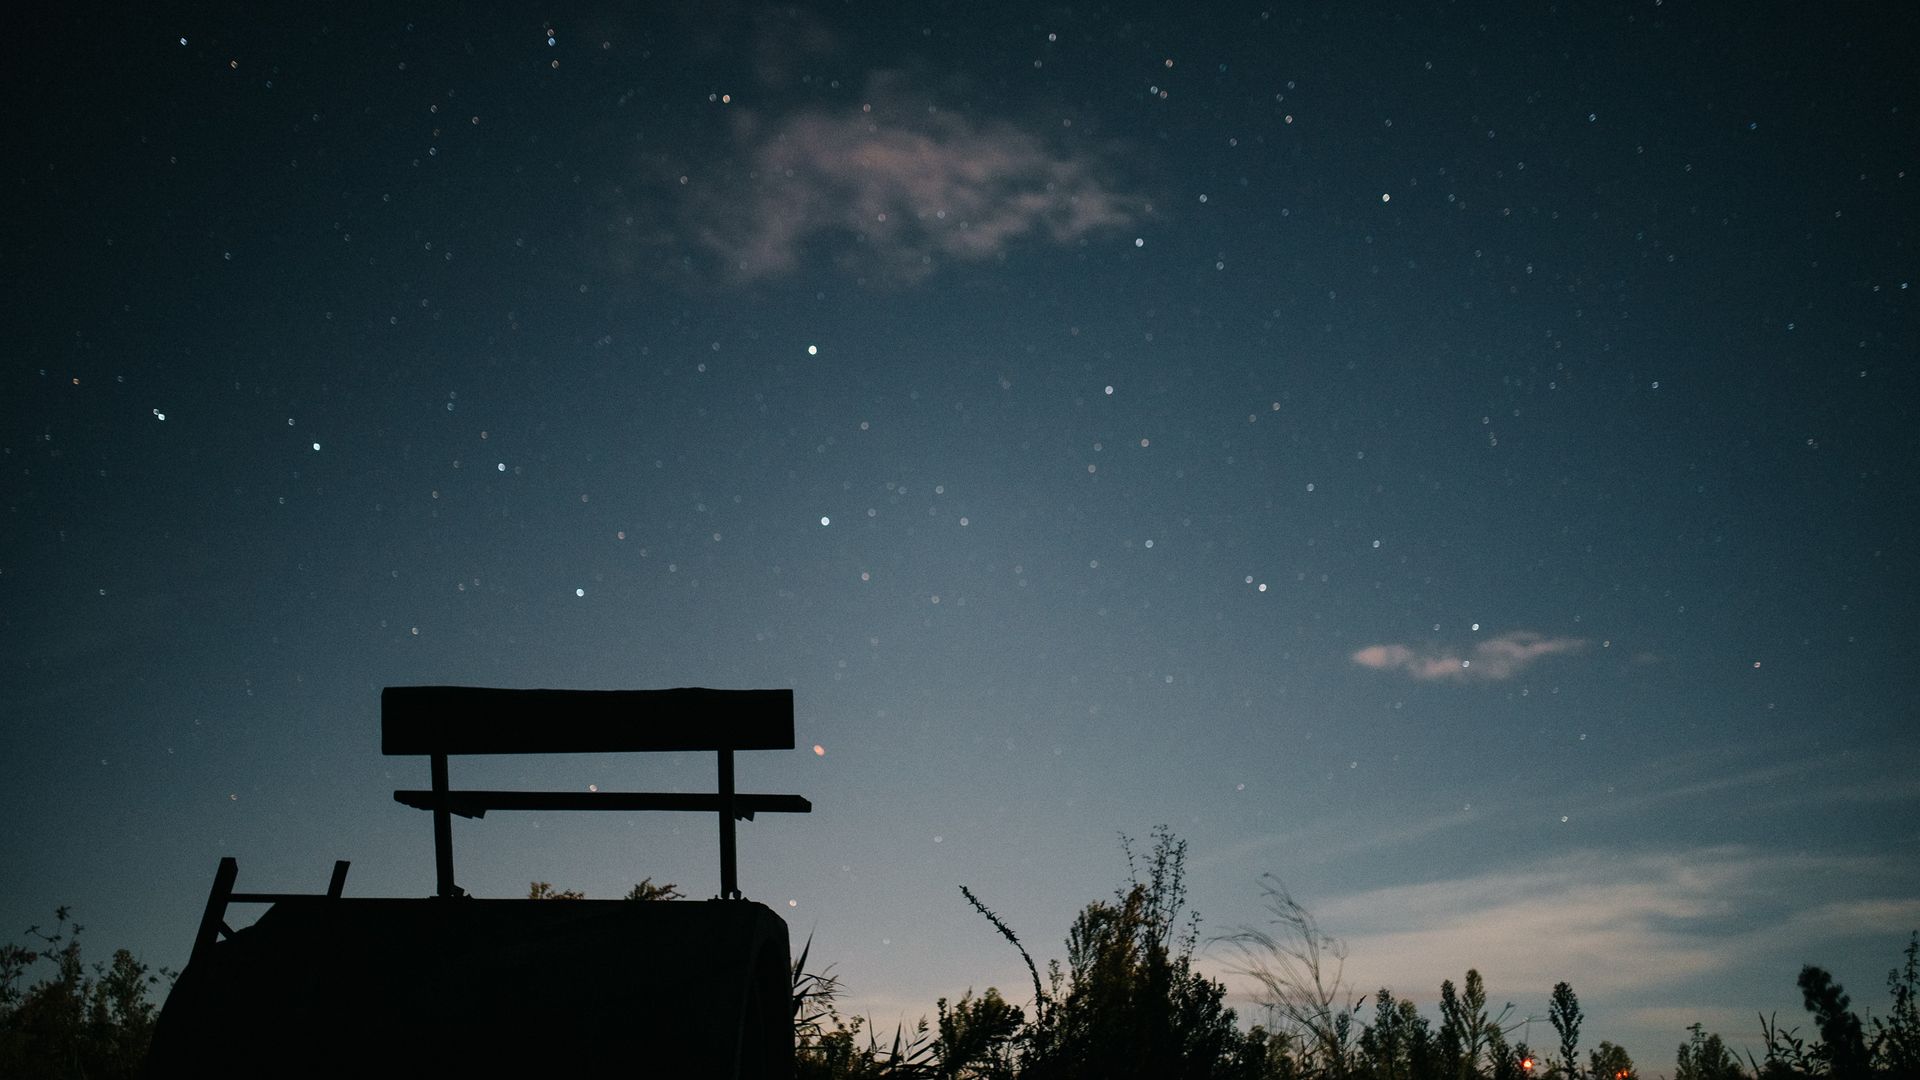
{"x": 1458, "y": 459}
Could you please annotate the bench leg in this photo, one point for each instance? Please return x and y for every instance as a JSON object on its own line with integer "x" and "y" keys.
{"x": 214, "y": 919}
{"x": 729, "y": 872}
{"x": 442, "y": 832}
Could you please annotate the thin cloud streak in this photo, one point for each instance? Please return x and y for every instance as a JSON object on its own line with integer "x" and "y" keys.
{"x": 1495, "y": 659}
{"x": 1687, "y": 778}
{"x": 1615, "y": 926}
{"x": 1336, "y": 839}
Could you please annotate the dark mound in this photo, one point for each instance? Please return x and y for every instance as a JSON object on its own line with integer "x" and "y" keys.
{"x": 487, "y": 988}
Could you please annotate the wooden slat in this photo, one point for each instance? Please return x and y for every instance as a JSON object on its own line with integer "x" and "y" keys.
{"x": 474, "y": 803}
{"x": 486, "y": 720}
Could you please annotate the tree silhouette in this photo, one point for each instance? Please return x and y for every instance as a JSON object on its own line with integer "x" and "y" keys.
{"x": 1515, "y": 1063}
{"x": 1564, "y": 1013}
{"x": 79, "y": 1021}
{"x": 1130, "y": 1003}
{"x": 1398, "y": 1044}
{"x": 1706, "y": 1057}
{"x": 1610, "y": 1062}
{"x": 1466, "y": 1028}
{"x": 1896, "y": 1039}
{"x": 977, "y": 1037}
{"x": 645, "y": 889}
{"x": 1842, "y": 1046}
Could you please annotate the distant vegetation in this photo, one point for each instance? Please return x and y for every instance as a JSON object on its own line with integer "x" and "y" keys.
{"x": 1127, "y": 1003}
{"x": 76, "y": 1021}
{"x": 645, "y": 890}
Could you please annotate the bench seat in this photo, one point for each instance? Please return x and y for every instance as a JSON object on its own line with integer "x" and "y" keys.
{"x": 475, "y": 804}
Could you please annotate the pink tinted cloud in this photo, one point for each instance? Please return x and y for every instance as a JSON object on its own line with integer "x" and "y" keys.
{"x": 908, "y": 186}
{"x": 1497, "y": 658}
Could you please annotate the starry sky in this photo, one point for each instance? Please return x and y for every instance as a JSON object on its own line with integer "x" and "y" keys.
{"x": 1454, "y": 458}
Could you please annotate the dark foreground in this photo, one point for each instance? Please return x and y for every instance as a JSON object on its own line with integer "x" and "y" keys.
{"x": 412, "y": 987}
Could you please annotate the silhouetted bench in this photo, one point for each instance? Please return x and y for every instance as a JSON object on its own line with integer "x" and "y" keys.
{"x": 438, "y": 721}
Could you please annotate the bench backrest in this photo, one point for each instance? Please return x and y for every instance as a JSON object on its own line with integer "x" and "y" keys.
{"x": 439, "y": 721}
{"x": 487, "y": 720}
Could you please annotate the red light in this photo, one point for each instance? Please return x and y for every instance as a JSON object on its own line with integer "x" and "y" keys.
{"x": 1527, "y": 1064}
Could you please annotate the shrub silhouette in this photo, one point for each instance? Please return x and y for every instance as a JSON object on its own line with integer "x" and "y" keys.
{"x": 1130, "y": 1002}
{"x": 80, "y": 1021}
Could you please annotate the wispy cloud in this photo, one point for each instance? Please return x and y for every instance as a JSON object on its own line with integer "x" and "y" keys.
{"x": 907, "y": 191}
{"x": 1613, "y": 925}
{"x": 891, "y": 187}
{"x": 1529, "y": 927}
{"x": 1497, "y": 658}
